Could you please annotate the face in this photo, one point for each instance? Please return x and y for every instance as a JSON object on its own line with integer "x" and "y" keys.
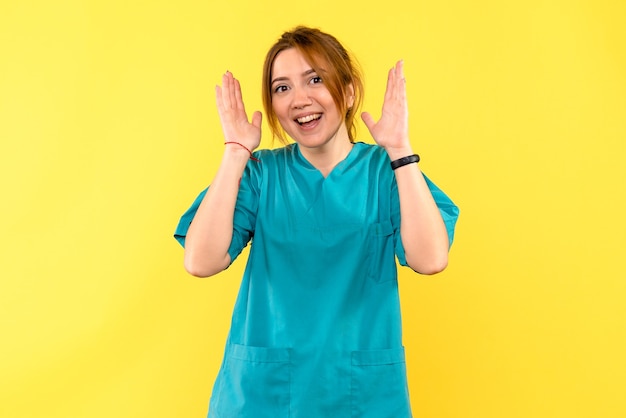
{"x": 303, "y": 104}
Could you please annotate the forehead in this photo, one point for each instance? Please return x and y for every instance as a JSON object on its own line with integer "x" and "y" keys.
{"x": 290, "y": 62}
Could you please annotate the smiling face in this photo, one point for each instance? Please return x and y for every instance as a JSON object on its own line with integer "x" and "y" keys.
{"x": 323, "y": 53}
{"x": 302, "y": 104}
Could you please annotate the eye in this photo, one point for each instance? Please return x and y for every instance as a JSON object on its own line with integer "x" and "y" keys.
{"x": 280, "y": 88}
{"x": 316, "y": 80}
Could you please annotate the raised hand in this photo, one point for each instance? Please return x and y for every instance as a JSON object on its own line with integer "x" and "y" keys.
{"x": 233, "y": 117}
{"x": 392, "y": 129}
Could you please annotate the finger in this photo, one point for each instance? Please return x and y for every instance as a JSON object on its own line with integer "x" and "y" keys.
{"x": 390, "y": 86}
{"x": 401, "y": 83}
{"x": 238, "y": 98}
{"x": 256, "y": 119}
{"x": 226, "y": 87}
{"x": 229, "y": 91}
{"x": 398, "y": 79}
{"x": 232, "y": 90}
{"x": 399, "y": 68}
{"x": 218, "y": 99}
{"x": 368, "y": 120}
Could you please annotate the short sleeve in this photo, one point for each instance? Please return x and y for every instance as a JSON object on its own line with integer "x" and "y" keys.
{"x": 244, "y": 219}
{"x": 183, "y": 224}
{"x": 395, "y": 221}
{"x": 448, "y": 210}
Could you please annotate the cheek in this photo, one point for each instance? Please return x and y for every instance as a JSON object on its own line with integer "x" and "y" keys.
{"x": 329, "y": 103}
{"x": 279, "y": 109}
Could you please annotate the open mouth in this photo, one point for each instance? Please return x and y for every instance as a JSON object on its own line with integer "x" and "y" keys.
{"x": 309, "y": 119}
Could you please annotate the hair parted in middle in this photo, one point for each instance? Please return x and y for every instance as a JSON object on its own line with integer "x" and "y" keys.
{"x": 328, "y": 58}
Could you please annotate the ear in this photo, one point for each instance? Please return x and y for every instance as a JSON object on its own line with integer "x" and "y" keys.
{"x": 349, "y": 96}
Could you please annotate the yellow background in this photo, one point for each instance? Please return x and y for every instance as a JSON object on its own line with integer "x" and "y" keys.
{"x": 108, "y": 129}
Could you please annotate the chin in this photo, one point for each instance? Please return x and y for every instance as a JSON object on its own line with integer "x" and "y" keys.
{"x": 312, "y": 143}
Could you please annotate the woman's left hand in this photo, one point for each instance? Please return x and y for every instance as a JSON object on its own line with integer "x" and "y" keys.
{"x": 392, "y": 129}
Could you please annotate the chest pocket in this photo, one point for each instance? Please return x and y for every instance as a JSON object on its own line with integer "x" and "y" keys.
{"x": 381, "y": 252}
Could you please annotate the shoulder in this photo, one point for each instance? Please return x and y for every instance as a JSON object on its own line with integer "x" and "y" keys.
{"x": 274, "y": 155}
{"x": 267, "y": 164}
{"x": 374, "y": 157}
{"x": 371, "y": 152}
{"x": 375, "y": 165}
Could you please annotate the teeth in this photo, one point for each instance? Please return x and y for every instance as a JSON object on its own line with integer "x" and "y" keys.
{"x": 308, "y": 118}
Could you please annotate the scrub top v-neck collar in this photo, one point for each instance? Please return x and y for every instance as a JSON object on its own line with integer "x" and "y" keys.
{"x": 302, "y": 160}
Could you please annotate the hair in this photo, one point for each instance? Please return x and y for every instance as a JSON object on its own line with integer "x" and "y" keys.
{"x": 327, "y": 57}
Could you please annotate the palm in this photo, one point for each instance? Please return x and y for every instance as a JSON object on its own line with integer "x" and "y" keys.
{"x": 391, "y": 130}
{"x": 233, "y": 117}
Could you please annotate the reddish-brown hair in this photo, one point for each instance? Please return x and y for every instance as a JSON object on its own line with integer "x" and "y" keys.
{"x": 330, "y": 60}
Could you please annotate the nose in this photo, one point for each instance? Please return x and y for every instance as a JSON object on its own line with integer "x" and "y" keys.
{"x": 300, "y": 97}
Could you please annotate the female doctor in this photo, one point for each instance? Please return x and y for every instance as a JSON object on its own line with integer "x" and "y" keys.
{"x": 316, "y": 328}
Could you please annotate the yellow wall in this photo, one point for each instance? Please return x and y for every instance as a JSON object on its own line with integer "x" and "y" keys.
{"x": 108, "y": 129}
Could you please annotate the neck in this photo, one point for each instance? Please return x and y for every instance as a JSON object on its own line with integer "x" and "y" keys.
{"x": 325, "y": 157}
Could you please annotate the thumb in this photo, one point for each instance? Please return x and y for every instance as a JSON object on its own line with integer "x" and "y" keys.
{"x": 368, "y": 120}
{"x": 256, "y": 119}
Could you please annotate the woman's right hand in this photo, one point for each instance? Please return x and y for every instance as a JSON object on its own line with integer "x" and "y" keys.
{"x": 233, "y": 117}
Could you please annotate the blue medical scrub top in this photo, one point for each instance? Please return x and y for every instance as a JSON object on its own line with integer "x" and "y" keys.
{"x": 316, "y": 328}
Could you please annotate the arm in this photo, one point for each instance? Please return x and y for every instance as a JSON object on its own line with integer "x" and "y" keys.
{"x": 423, "y": 231}
{"x": 210, "y": 233}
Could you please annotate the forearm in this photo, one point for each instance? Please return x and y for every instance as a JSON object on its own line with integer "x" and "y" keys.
{"x": 423, "y": 231}
{"x": 210, "y": 233}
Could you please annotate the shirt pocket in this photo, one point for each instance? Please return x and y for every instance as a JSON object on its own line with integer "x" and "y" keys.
{"x": 381, "y": 252}
{"x": 255, "y": 383}
{"x": 378, "y": 384}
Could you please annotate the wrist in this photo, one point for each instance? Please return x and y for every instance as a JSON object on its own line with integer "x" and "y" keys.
{"x": 240, "y": 148}
{"x": 234, "y": 153}
{"x": 404, "y": 161}
{"x": 396, "y": 153}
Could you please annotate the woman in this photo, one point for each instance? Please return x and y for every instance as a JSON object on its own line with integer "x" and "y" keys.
{"x": 316, "y": 327}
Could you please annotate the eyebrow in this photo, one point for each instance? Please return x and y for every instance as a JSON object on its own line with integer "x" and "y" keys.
{"x": 304, "y": 74}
